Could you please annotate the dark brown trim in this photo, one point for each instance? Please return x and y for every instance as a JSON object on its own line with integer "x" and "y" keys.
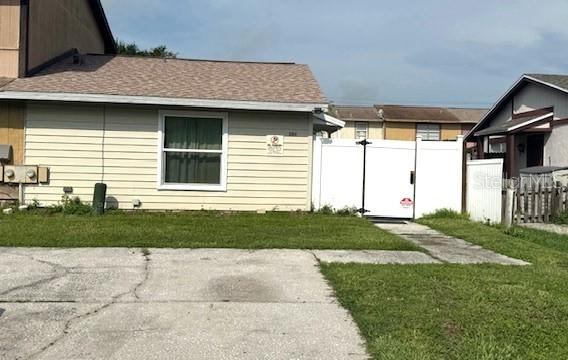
{"x": 104, "y": 27}
{"x": 498, "y": 141}
{"x": 559, "y": 122}
{"x": 511, "y": 160}
{"x": 53, "y": 61}
{"x": 532, "y": 113}
{"x": 23, "y": 61}
{"x": 480, "y": 148}
{"x": 537, "y": 131}
{"x": 532, "y": 125}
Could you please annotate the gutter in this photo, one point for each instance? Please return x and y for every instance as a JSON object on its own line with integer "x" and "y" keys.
{"x": 150, "y": 100}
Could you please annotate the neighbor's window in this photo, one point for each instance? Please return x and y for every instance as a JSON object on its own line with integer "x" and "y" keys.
{"x": 193, "y": 152}
{"x": 428, "y": 132}
{"x": 361, "y": 130}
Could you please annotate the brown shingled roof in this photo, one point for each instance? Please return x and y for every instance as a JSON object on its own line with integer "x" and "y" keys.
{"x": 5, "y": 81}
{"x": 414, "y": 114}
{"x": 353, "y": 113}
{"x": 176, "y": 78}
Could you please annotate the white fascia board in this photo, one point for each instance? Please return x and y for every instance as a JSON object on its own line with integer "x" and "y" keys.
{"x": 330, "y": 119}
{"x": 546, "y": 83}
{"x": 528, "y": 122}
{"x": 162, "y": 101}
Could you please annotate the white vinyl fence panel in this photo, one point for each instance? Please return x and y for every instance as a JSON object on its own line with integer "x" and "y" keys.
{"x": 439, "y": 176}
{"x": 337, "y": 174}
{"x": 484, "y": 190}
{"x": 437, "y": 165}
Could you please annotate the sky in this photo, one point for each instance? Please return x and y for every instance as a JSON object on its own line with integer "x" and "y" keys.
{"x": 421, "y": 52}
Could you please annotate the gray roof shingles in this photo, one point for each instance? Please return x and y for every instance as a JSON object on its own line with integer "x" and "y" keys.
{"x": 556, "y": 80}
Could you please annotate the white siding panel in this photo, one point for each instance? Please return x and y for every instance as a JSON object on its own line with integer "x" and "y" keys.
{"x": 118, "y": 145}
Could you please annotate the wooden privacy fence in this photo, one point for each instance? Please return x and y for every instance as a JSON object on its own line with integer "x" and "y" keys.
{"x": 538, "y": 203}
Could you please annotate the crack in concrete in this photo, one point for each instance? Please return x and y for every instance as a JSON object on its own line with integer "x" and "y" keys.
{"x": 147, "y": 260}
{"x": 60, "y": 272}
{"x": 113, "y": 300}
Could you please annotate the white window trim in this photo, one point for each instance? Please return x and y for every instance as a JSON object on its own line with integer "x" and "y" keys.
{"x": 161, "y": 184}
{"x": 366, "y": 125}
{"x": 429, "y": 131}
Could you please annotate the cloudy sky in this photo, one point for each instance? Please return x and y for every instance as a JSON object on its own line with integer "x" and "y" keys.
{"x": 435, "y": 52}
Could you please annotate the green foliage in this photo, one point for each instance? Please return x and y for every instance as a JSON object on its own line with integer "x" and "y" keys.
{"x": 200, "y": 229}
{"x": 132, "y": 49}
{"x": 469, "y": 312}
{"x": 446, "y": 214}
{"x": 561, "y": 219}
{"x": 328, "y": 210}
{"x": 71, "y": 206}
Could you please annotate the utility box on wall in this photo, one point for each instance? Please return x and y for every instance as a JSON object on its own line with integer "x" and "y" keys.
{"x": 30, "y": 175}
{"x": 5, "y": 154}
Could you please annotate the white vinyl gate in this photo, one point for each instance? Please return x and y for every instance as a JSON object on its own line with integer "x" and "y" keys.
{"x": 484, "y": 190}
{"x": 403, "y": 179}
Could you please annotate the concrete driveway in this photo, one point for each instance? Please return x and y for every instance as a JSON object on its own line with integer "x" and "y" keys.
{"x": 169, "y": 304}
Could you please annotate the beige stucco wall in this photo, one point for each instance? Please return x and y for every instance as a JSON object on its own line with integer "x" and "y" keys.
{"x": 450, "y": 131}
{"x": 9, "y": 38}
{"x": 70, "y": 140}
{"x": 400, "y": 131}
{"x": 57, "y": 26}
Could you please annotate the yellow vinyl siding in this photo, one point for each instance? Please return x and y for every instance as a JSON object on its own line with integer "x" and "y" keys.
{"x": 400, "y": 131}
{"x": 12, "y": 128}
{"x": 71, "y": 141}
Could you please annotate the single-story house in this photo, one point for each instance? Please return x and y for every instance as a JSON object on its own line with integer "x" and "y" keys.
{"x": 403, "y": 122}
{"x": 528, "y": 125}
{"x": 163, "y": 134}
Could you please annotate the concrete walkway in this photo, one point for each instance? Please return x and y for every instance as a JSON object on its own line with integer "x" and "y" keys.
{"x": 374, "y": 257}
{"x": 557, "y": 229}
{"x": 170, "y": 304}
{"x": 446, "y": 248}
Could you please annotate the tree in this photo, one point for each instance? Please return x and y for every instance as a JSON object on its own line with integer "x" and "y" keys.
{"x": 162, "y": 51}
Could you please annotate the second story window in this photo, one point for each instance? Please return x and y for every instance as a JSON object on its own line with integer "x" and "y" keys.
{"x": 361, "y": 130}
{"x": 428, "y": 132}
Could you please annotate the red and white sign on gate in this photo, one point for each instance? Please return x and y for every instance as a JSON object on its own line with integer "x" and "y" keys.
{"x": 406, "y": 203}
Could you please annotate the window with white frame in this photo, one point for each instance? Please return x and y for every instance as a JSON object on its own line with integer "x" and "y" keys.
{"x": 193, "y": 151}
{"x": 361, "y": 130}
{"x": 428, "y": 132}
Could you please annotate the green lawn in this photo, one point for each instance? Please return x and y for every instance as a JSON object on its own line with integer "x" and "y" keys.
{"x": 464, "y": 312}
{"x": 196, "y": 230}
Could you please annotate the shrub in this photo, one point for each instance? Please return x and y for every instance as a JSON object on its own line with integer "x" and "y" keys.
{"x": 561, "y": 219}
{"x": 328, "y": 210}
{"x": 71, "y": 206}
{"x": 446, "y": 214}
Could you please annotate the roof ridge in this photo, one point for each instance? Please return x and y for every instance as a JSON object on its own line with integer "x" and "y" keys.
{"x": 196, "y": 60}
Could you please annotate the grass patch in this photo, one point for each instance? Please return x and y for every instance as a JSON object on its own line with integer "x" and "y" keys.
{"x": 464, "y": 312}
{"x": 196, "y": 230}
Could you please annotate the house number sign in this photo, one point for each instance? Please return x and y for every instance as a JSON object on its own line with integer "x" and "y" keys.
{"x": 275, "y": 145}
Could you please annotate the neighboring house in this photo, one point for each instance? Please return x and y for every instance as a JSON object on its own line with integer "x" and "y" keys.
{"x": 361, "y": 122}
{"x": 402, "y": 122}
{"x": 528, "y": 126}
{"x": 164, "y": 134}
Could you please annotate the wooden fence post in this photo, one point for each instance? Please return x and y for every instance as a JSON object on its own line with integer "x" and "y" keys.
{"x": 509, "y": 202}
